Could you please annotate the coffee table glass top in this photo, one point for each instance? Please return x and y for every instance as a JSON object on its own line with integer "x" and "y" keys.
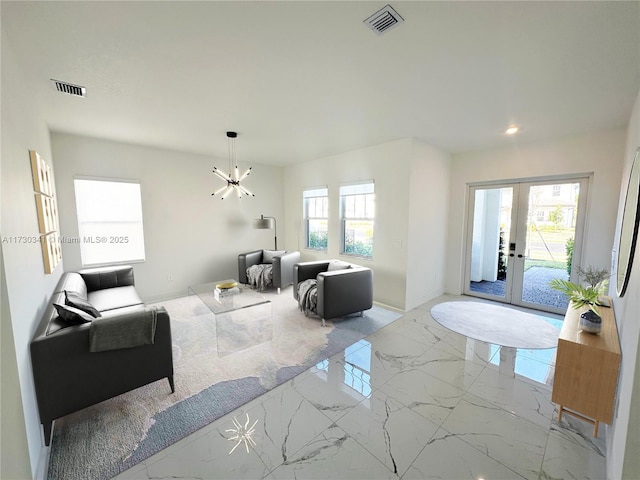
{"x": 243, "y": 298}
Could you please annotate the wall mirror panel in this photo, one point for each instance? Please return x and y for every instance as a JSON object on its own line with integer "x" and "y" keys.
{"x": 629, "y": 229}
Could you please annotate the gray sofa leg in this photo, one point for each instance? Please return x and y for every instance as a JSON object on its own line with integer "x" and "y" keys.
{"x": 171, "y": 384}
{"x": 362, "y": 313}
{"x": 278, "y": 290}
{"x": 323, "y": 324}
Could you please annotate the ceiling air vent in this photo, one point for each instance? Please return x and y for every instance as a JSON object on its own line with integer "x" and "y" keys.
{"x": 383, "y": 20}
{"x": 69, "y": 88}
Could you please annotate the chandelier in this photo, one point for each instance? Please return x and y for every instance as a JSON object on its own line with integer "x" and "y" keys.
{"x": 233, "y": 182}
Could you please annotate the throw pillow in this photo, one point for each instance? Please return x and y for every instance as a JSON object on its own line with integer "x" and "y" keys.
{"x": 74, "y": 300}
{"x": 72, "y": 315}
{"x": 337, "y": 265}
{"x": 267, "y": 255}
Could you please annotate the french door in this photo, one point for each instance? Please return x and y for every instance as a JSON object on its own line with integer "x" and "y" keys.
{"x": 521, "y": 235}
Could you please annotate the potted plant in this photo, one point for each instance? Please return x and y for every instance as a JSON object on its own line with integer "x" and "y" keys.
{"x": 590, "y": 295}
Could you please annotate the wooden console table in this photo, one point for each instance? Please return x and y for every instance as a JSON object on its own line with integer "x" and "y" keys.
{"x": 587, "y": 367}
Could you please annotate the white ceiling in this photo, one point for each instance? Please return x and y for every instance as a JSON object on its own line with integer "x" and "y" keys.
{"x": 303, "y": 80}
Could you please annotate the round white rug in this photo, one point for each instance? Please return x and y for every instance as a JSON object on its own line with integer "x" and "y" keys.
{"x": 495, "y": 324}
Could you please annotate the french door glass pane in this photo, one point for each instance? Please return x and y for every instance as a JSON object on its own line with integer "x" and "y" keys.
{"x": 490, "y": 240}
{"x": 550, "y": 233}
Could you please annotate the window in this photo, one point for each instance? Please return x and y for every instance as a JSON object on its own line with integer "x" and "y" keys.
{"x": 556, "y": 190}
{"x": 316, "y": 208}
{"x": 109, "y": 221}
{"x": 357, "y": 207}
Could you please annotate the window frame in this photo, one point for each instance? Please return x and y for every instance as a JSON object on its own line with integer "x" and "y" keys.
{"x": 307, "y": 195}
{"x": 91, "y": 242}
{"x": 359, "y": 189}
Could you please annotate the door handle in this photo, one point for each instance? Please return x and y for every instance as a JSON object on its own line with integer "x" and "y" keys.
{"x": 511, "y": 254}
{"x": 520, "y": 256}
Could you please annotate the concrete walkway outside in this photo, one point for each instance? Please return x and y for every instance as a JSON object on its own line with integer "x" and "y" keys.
{"x": 536, "y": 287}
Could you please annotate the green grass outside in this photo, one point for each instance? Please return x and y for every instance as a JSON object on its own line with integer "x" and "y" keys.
{"x": 544, "y": 263}
{"x": 552, "y": 237}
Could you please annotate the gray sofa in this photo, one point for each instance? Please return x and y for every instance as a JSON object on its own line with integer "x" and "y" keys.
{"x": 282, "y": 266}
{"x": 67, "y": 375}
{"x": 340, "y": 292}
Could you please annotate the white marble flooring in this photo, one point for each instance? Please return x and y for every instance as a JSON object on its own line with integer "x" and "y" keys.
{"x": 412, "y": 401}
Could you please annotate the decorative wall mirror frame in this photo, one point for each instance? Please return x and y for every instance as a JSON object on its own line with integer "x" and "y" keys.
{"x": 629, "y": 228}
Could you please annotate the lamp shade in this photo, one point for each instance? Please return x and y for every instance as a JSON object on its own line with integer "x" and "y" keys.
{"x": 264, "y": 223}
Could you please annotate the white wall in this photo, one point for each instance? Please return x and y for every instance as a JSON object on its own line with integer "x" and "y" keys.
{"x": 411, "y": 187}
{"x": 386, "y": 164}
{"x": 623, "y": 438}
{"x": 28, "y": 288}
{"x": 428, "y": 221}
{"x": 599, "y": 153}
{"x": 189, "y": 235}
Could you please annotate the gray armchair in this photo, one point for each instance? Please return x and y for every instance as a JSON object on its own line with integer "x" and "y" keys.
{"x": 282, "y": 262}
{"x": 340, "y": 292}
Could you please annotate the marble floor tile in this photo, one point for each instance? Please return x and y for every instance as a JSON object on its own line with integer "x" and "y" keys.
{"x": 419, "y": 325}
{"x": 536, "y": 366}
{"x": 285, "y": 423}
{"x": 580, "y": 432}
{"x": 328, "y": 392}
{"x": 563, "y": 460}
{"x": 446, "y": 457}
{"x": 392, "y": 354}
{"x": 511, "y": 440}
{"x": 389, "y": 430}
{"x": 468, "y": 349}
{"x": 446, "y": 364}
{"x": 138, "y": 472}
{"x": 525, "y": 399}
{"x": 209, "y": 457}
{"x": 432, "y": 398}
{"x": 412, "y": 401}
{"x": 333, "y": 455}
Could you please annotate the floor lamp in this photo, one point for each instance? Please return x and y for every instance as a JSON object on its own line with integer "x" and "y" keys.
{"x": 265, "y": 223}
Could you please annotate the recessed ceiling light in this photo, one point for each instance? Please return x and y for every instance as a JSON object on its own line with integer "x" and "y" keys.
{"x": 512, "y": 130}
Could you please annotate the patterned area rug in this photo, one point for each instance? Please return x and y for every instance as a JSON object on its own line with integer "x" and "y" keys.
{"x": 219, "y": 365}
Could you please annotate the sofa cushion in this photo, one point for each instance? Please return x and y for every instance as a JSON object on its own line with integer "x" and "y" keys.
{"x": 112, "y": 298}
{"x": 72, "y": 282}
{"x": 107, "y": 277}
{"x": 74, "y": 300}
{"x": 72, "y": 315}
{"x": 337, "y": 265}
{"x": 267, "y": 255}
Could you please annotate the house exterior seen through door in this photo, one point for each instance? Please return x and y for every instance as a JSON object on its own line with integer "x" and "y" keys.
{"x": 521, "y": 235}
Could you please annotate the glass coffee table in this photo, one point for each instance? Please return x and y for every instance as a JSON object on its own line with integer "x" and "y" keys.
{"x": 242, "y": 319}
{"x": 244, "y": 298}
